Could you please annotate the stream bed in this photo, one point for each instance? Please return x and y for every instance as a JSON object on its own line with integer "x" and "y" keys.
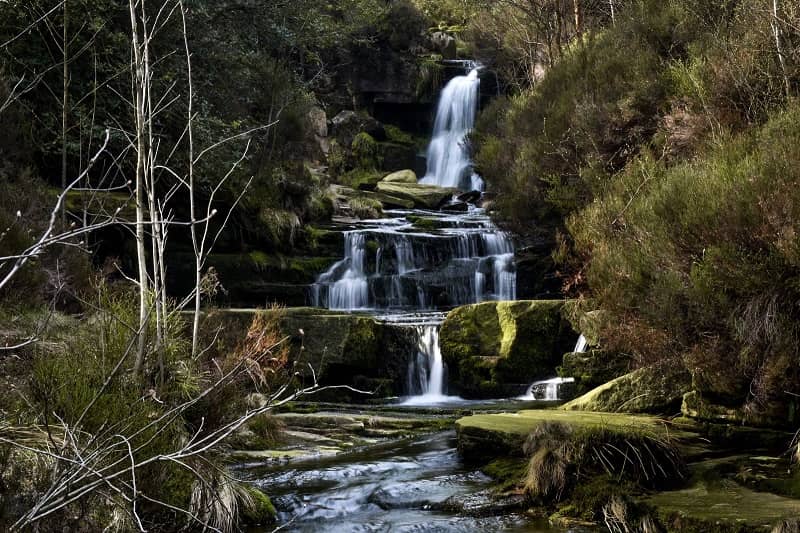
{"x": 408, "y": 485}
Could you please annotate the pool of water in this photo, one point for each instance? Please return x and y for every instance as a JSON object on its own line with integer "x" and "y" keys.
{"x": 402, "y": 486}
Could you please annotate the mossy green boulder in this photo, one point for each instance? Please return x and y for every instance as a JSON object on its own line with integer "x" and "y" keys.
{"x": 260, "y": 510}
{"x": 423, "y": 196}
{"x": 401, "y": 176}
{"x": 654, "y": 389}
{"x": 497, "y": 348}
{"x": 487, "y": 436}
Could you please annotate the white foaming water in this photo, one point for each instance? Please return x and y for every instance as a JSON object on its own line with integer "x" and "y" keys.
{"x": 449, "y": 164}
{"x": 351, "y": 290}
{"x": 545, "y": 390}
{"x": 426, "y": 372}
{"x": 391, "y": 264}
{"x": 582, "y": 345}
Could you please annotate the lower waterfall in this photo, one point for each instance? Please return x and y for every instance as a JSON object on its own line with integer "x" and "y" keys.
{"x": 426, "y": 373}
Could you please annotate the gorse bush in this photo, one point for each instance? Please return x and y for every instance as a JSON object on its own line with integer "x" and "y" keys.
{"x": 701, "y": 260}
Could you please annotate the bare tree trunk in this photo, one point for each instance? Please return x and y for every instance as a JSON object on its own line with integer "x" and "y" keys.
{"x": 138, "y": 82}
{"x": 198, "y": 253}
{"x": 64, "y": 105}
{"x": 613, "y": 14}
{"x": 578, "y": 17}
{"x": 776, "y": 30}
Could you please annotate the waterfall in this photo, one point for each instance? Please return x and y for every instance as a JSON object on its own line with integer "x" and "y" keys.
{"x": 427, "y": 380}
{"x": 346, "y": 282}
{"x": 582, "y": 345}
{"x": 546, "y": 390}
{"x": 449, "y": 164}
{"x": 426, "y": 371}
{"x": 392, "y": 265}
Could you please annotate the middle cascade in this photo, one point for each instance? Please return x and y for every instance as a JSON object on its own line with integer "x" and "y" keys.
{"x": 391, "y": 265}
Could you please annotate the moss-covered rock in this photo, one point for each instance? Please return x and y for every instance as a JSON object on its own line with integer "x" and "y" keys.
{"x": 654, "y": 389}
{"x": 261, "y": 512}
{"x": 497, "y": 348}
{"x": 423, "y": 196}
{"x": 593, "y": 368}
{"x": 401, "y": 176}
{"x": 252, "y": 279}
{"x": 487, "y": 436}
{"x": 723, "y": 507}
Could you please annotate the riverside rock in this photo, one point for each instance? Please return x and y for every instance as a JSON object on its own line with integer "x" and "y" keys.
{"x": 654, "y": 389}
{"x": 401, "y": 176}
{"x": 423, "y": 196}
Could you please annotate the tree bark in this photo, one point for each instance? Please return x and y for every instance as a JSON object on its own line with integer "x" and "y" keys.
{"x": 776, "y": 30}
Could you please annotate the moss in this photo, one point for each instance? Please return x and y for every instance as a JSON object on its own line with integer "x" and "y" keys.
{"x": 396, "y": 135}
{"x": 262, "y": 511}
{"x": 656, "y": 389}
{"x": 362, "y": 178}
{"x": 492, "y": 345}
{"x": 507, "y": 472}
{"x": 503, "y": 434}
{"x": 727, "y": 507}
{"x": 365, "y": 151}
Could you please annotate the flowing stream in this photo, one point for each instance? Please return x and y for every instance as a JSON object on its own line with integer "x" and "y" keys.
{"x": 409, "y": 268}
{"x": 405, "y": 486}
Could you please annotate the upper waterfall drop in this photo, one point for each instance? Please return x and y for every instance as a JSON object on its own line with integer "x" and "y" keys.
{"x": 449, "y": 164}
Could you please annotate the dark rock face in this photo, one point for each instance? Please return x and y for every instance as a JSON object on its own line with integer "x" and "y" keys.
{"x": 342, "y": 348}
{"x": 497, "y": 348}
{"x": 593, "y": 368}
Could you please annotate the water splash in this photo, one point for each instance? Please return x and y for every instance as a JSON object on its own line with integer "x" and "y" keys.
{"x": 546, "y": 390}
{"x": 426, "y": 373}
{"x": 449, "y": 164}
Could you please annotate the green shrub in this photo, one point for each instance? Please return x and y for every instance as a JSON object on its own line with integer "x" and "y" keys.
{"x": 365, "y": 151}
{"x": 701, "y": 259}
{"x": 366, "y": 208}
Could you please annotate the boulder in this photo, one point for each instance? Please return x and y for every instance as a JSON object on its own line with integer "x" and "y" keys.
{"x": 498, "y": 348}
{"x": 774, "y": 414}
{"x": 318, "y": 121}
{"x": 348, "y": 124}
{"x": 456, "y": 207}
{"x": 318, "y": 127}
{"x": 401, "y": 176}
{"x": 257, "y": 278}
{"x": 654, "y": 389}
{"x": 423, "y": 196}
{"x": 469, "y": 197}
{"x": 593, "y": 368}
{"x": 397, "y": 156}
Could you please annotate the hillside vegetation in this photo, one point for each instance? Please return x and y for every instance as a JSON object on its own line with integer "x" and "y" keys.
{"x": 659, "y": 156}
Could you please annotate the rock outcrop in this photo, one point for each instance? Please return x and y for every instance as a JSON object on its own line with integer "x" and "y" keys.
{"x": 342, "y": 348}
{"x": 497, "y": 348}
{"x": 423, "y": 196}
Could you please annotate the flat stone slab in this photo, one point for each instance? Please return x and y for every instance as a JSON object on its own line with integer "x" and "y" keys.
{"x": 497, "y": 435}
{"x": 727, "y": 503}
